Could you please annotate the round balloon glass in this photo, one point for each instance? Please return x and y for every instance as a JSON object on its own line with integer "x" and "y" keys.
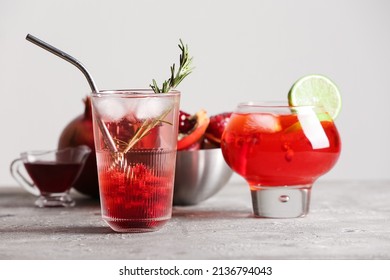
{"x": 280, "y": 151}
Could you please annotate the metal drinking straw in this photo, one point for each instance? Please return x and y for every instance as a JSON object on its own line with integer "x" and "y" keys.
{"x": 65, "y": 56}
{"x": 103, "y": 128}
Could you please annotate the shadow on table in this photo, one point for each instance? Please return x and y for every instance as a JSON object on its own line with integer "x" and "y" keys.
{"x": 58, "y": 230}
{"x": 183, "y": 212}
{"x": 20, "y": 199}
{"x": 87, "y": 202}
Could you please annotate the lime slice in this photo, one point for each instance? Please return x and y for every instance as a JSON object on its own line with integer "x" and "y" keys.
{"x": 316, "y": 90}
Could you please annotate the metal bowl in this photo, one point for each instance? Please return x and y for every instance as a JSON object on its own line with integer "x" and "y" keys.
{"x": 199, "y": 175}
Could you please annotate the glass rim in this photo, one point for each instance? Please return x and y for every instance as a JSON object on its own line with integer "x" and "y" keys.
{"x": 51, "y": 151}
{"x": 136, "y": 92}
{"x": 273, "y": 104}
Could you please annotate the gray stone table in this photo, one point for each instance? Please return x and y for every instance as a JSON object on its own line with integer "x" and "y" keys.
{"x": 348, "y": 220}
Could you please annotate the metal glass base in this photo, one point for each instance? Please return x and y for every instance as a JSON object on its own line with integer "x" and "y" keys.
{"x": 281, "y": 202}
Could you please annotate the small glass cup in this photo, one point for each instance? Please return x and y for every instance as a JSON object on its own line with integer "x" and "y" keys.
{"x": 135, "y": 134}
{"x": 280, "y": 151}
{"x": 50, "y": 174}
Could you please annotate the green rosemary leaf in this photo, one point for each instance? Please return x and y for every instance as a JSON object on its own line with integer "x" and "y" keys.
{"x": 155, "y": 87}
{"x": 185, "y": 68}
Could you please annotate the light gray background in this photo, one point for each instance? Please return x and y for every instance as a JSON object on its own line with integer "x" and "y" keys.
{"x": 243, "y": 50}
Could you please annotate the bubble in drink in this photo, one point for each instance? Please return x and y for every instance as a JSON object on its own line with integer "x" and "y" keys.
{"x": 284, "y": 198}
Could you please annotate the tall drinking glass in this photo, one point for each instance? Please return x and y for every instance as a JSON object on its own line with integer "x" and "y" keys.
{"x": 135, "y": 134}
{"x": 280, "y": 151}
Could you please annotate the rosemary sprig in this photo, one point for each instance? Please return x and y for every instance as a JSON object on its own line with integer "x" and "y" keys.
{"x": 145, "y": 129}
{"x": 185, "y": 68}
{"x": 119, "y": 156}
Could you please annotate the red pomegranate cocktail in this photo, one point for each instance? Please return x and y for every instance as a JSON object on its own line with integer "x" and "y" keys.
{"x": 280, "y": 151}
{"x": 135, "y": 138}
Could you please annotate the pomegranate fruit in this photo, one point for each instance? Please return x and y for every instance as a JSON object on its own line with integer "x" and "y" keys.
{"x": 216, "y": 127}
{"x": 207, "y": 144}
{"x": 79, "y": 132}
{"x": 191, "y": 139}
{"x": 186, "y": 122}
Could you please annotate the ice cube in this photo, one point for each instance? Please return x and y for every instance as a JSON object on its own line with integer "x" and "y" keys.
{"x": 109, "y": 109}
{"x": 264, "y": 123}
{"x": 152, "y": 107}
{"x": 131, "y": 105}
